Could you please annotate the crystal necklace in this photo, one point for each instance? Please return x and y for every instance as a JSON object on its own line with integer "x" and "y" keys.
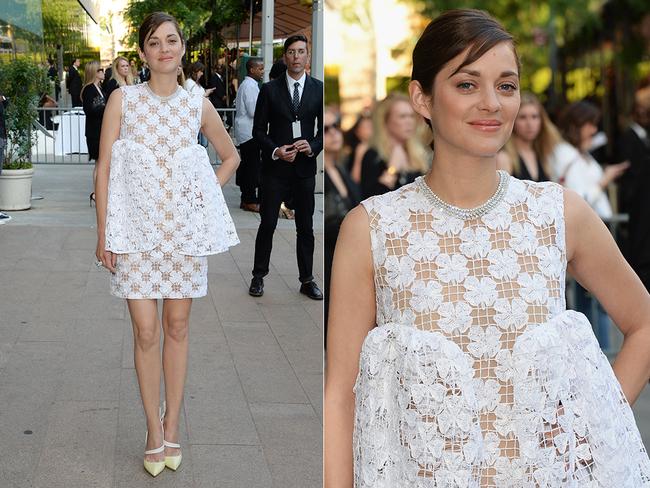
{"x": 467, "y": 213}
{"x": 161, "y": 98}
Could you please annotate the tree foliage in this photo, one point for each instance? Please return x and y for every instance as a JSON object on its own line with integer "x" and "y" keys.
{"x": 200, "y": 20}
{"x": 22, "y": 81}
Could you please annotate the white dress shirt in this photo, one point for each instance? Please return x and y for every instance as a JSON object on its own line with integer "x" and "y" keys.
{"x": 290, "y": 86}
{"x": 245, "y": 109}
{"x": 582, "y": 174}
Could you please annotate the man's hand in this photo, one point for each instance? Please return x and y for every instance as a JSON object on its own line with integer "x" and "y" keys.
{"x": 302, "y": 146}
{"x": 287, "y": 153}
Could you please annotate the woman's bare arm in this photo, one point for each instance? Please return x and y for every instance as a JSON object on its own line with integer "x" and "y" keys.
{"x": 212, "y": 127}
{"x": 110, "y": 132}
{"x": 351, "y": 317}
{"x": 596, "y": 262}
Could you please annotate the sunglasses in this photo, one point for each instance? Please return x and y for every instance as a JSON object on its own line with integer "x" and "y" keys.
{"x": 336, "y": 125}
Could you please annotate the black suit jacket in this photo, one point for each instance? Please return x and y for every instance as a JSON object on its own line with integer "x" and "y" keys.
{"x": 272, "y": 125}
{"x": 217, "y": 97}
{"x": 74, "y": 86}
{"x": 635, "y": 199}
{"x": 93, "y": 104}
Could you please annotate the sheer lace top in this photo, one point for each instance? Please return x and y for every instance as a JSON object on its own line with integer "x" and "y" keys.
{"x": 480, "y": 282}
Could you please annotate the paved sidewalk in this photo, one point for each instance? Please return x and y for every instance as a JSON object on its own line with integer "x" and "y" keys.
{"x": 70, "y": 414}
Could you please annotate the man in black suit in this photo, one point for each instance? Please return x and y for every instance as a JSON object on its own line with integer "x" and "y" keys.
{"x": 635, "y": 184}
{"x": 74, "y": 83}
{"x": 289, "y": 111}
{"x": 218, "y": 96}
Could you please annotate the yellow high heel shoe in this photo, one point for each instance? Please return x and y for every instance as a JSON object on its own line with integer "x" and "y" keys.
{"x": 154, "y": 468}
{"x": 172, "y": 462}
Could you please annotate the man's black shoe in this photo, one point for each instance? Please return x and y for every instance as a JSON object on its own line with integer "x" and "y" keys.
{"x": 311, "y": 290}
{"x": 257, "y": 287}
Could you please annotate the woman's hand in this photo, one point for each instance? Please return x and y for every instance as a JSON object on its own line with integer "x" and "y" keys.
{"x": 107, "y": 258}
{"x": 612, "y": 172}
{"x": 208, "y": 92}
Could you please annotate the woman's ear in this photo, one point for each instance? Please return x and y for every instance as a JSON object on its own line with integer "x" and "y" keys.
{"x": 422, "y": 103}
{"x": 142, "y": 56}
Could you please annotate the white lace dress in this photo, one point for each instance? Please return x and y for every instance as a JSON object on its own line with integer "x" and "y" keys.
{"x": 476, "y": 375}
{"x": 166, "y": 211}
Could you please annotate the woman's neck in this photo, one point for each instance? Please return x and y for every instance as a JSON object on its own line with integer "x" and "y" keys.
{"x": 163, "y": 85}
{"x": 329, "y": 161}
{"x": 460, "y": 179}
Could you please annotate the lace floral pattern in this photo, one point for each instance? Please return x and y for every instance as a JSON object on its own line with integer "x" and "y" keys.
{"x": 476, "y": 376}
{"x": 166, "y": 211}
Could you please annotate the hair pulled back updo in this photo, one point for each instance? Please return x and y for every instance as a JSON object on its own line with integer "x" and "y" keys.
{"x": 152, "y": 22}
{"x": 450, "y": 34}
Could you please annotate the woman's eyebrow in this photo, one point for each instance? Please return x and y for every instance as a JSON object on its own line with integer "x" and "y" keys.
{"x": 478, "y": 74}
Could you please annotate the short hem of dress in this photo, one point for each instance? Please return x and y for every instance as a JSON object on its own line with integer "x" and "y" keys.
{"x": 140, "y": 297}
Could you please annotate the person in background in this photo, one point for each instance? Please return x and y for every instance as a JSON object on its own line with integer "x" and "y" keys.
{"x": 248, "y": 173}
{"x": 357, "y": 140}
{"x": 218, "y": 82}
{"x": 45, "y": 116}
{"x": 635, "y": 184}
{"x": 288, "y": 127}
{"x": 3, "y": 145}
{"x": 192, "y": 76}
{"x": 575, "y": 168}
{"x": 534, "y": 137}
{"x": 53, "y": 75}
{"x": 341, "y": 195}
{"x": 94, "y": 102}
{"x": 120, "y": 75}
{"x": 395, "y": 156}
{"x": 73, "y": 83}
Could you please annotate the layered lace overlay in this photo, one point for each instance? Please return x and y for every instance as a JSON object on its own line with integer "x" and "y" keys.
{"x": 166, "y": 210}
{"x": 476, "y": 375}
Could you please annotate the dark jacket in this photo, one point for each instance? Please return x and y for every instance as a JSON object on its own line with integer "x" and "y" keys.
{"x": 74, "y": 86}
{"x": 94, "y": 104}
{"x": 272, "y": 125}
{"x": 218, "y": 96}
{"x": 3, "y": 125}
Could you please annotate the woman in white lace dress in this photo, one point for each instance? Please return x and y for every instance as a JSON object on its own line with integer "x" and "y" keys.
{"x": 160, "y": 213}
{"x": 451, "y": 360}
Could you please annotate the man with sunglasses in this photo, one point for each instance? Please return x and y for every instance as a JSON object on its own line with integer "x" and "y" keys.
{"x": 287, "y": 126}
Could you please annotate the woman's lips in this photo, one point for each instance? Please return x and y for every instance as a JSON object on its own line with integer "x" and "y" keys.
{"x": 486, "y": 125}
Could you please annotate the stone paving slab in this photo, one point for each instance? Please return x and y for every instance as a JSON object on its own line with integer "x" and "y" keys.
{"x": 70, "y": 411}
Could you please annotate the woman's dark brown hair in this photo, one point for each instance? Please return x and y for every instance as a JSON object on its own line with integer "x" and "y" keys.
{"x": 152, "y": 22}
{"x": 193, "y": 69}
{"x": 573, "y": 117}
{"x": 449, "y": 35}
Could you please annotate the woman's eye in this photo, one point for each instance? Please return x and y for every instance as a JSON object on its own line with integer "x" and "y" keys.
{"x": 466, "y": 85}
{"x": 509, "y": 87}
{"x": 172, "y": 41}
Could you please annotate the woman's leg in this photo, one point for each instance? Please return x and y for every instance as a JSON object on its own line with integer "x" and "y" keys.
{"x": 146, "y": 349}
{"x": 175, "y": 319}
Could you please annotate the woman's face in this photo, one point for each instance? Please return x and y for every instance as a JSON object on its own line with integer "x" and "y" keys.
{"x": 123, "y": 68}
{"x": 198, "y": 75}
{"x": 332, "y": 137}
{"x": 400, "y": 122}
{"x": 474, "y": 110}
{"x": 364, "y": 129}
{"x": 163, "y": 49}
{"x": 528, "y": 123}
{"x": 99, "y": 76}
{"x": 587, "y": 131}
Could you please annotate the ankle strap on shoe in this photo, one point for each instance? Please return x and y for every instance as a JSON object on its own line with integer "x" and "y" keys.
{"x": 155, "y": 451}
{"x": 171, "y": 444}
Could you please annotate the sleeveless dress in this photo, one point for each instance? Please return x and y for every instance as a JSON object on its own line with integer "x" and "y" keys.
{"x": 164, "y": 201}
{"x": 476, "y": 375}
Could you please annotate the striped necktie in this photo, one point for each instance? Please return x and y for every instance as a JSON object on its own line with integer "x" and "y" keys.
{"x": 296, "y": 98}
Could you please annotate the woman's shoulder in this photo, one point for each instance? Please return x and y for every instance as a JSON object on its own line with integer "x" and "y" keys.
{"x": 393, "y": 199}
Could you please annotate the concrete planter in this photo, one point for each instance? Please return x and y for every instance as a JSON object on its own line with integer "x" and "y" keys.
{"x": 16, "y": 189}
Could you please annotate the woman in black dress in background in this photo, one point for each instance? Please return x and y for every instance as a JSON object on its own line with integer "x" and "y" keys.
{"x": 396, "y": 156}
{"x": 94, "y": 102}
{"x": 120, "y": 75}
{"x": 527, "y": 153}
{"x": 341, "y": 194}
